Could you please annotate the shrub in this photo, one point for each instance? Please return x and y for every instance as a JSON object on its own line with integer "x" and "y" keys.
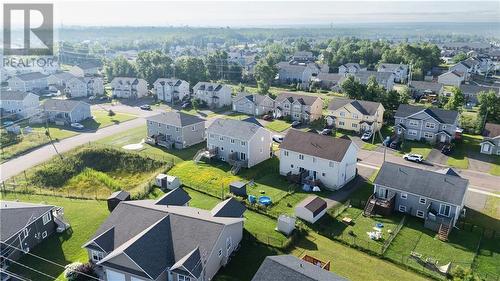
{"x": 80, "y": 272}
{"x": 111, "y": 113}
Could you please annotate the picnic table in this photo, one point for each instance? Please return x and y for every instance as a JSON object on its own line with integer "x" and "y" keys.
{"x": 347, "y": 220}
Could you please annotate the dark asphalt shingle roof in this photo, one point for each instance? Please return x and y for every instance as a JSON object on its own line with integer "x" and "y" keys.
{"x": 231, "y": 208}
{"x": 292, "y": 97}
{"x": 365, "y": 107}
{"x": 175, "y": 118}
{"x": 430, "y": 184}
{"x": 426, "y": 85}
{"x": 317, "y": 145}
{"x": 170, "y": 81}
{"x": 13, "y": 95}
{"x": 234, "y": 128}
{"x": 470, "y": 89}
{"x": 120, "y": 195}
{"x": 176, "y": 197}
{"x": 491, "y": 130}
{"x": 291, "y": 268}
{"x": 14, "y": 216}
{"x": 255, "y": 98}
{"x": 313, "y": 204}
{"x": 441, "y": 115}
{"x": 62, "y": 105}
{"x": 31, "y": 76}
{"x": 190, "y": 264}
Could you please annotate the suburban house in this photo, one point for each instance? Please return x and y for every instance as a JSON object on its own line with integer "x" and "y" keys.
{"x": 253, "y": 104}
{"x": 291, "y": 268}
{"x": 85, "y": 87}
{"x": 174, "y": 129}
{"x": 59, "y": 79}
{"x": 311, "y": 209}
{"x": 471, "y": 92}
{"x": 429, "y": 124}
{"x": 129, "y": 87}
{"x": 451, "y": 78}
{"x": 436, "y": 196}
{"x": 425, "y": 88}
{"x": 305, "y": 108}
{"x": 491, "y": 139}
{"x": 214, "y": 95}
{"x": 318, "y": 160}
{"x": 156, "y": 240}
{"x": 400, "y": 71}
{"x": 294, "y": 72}
{"x": 88, "y": 68}
{"x": 22, "y": 104}
{"x": 351, "y": 68}
{"x": 355, "y": 115}
{"x": 170, "y": 89}
{"x": 303, "y": 56}
{"x": 331, "y": 81}
{"x": 240, "y": 143}
{"x": 66, "y": 111}
{"x": 28, "y": 82}
{"x": 384, "y": 79}
{"x": 24, "y": 226}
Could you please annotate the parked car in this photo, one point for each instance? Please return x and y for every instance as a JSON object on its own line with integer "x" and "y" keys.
{"x": 447, "y": 149}
{"x": 367, "y": 136}
{"x": 387, "y": 141}
{"x": 8, "y": 123}
{"x": 77, "y": 126}
{"x": 278, "y": 138}
{"x": 104, "y": 98}
{"x": 413, "y": 157}
{"x": 145, "y": 107}
{"x": 186, "y": 104}
{"x": 295, "y": 124}
{"x": 395, "y": 145}
{"x": 326, "y": 132}
{"x": 267, "y": 117}
{"x": 92, "y": 98}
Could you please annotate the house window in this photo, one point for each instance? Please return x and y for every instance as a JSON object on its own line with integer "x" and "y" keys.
{"x": 402, "y": 208}
{"x": 444, "y": 127}
{"x": 285, "y": 153}
{"x": 212, "y": 136}
{"x": 430, "y": 125}
{"x": 323, "y": 174}
{"x": 229, "y": 243}
{"x": 243, "y": 143}
{"x": 354, "y": 125}
{"x": 412, "y": 132}
{"x": 183, "y": 278}
{"x": 422, "y": 200}
{"x": 301, "y": 156}
{"x": 220, "y": 253}
{"x": 413, "y": 123}
{"x": 232, "y": 140}
{"x": 420, "y": 214}
{"x": 96, "y": 255}
{"x": 291, "y": 166}
{"x": 331, "y": 164}
{"x": 428, "y": 135}
{"x": 404, "y": 195}
{"x": 314, "y": 159}
{"x": 341, "y": 123}
{"x": 25, "y": 233}
{"x": 221, "y": 138}
{"x": 355, "y": 116}
{"x": 342, "y": 113}
{"x": 46, "y": 218}
{"x": 193, "y": 128}
{"x": 150, "y": 122}
{"x": 44, "y": 234}
{"x": 159, "y": 125}
{"x": 444, "y": 210}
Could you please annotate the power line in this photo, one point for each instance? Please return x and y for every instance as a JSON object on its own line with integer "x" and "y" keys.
{"x": 12, "y": 274}
{"x": 31, "y": 268}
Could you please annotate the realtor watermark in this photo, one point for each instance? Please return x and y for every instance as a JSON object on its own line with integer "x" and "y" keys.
{"x": 37, "y": 36}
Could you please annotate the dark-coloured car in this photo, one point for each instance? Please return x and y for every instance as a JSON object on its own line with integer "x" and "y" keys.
{"x": 267, "y": 117}
{"x": 295, "y": 124}
{"x": 447, "y": 149}
{"x": 395, "y": 145}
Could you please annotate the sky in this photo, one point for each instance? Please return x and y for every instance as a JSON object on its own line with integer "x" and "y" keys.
{"x": 269, "y": 13}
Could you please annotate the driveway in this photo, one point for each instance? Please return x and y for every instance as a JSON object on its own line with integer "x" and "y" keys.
{"x": 435, "y": 156}
{"x": 478, "y": 162}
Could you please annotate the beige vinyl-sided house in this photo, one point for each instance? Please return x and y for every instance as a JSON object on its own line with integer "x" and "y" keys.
{"x": 176, "y": 129}
{"x": 355, "y": 115}
{"x": 300, "y": 107}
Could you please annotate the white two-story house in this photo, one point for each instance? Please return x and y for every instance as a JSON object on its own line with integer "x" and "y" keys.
{"x": 214, "y": 95}
{"x": 85, "y": 87}
{"x": 305, "y": 108}
{"x": 171, "y": 89}
{"x": 21, "y": 104}
{"x": 129, "y": 87}
{"x": 400, "y": 71}
{"x": 175, "y": 129}
{"x": 253, "y": 104}
{"x": 33, "y": 81}
{"x": 317, "y": 159}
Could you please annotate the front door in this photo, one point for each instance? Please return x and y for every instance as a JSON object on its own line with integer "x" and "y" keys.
{"x": 382, "y": 192}
{"x": 443, "y": 138}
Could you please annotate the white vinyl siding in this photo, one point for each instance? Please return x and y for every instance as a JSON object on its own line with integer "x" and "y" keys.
{"x": 114, "y": 276}
{"x": 420, "y": 214}
{"x": 402, "y": 208}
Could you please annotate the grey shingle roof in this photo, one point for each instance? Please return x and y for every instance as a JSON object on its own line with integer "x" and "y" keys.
{"x": 295, "y": 69}
{"x": 292, "y": 97}
{"x": 234, "y": 128}
{"x": 31, "y": 76}
{"x": 13, "y": 95}
{"x": 207, "y": 86}
{"x": 255, "y": 98}
{"x": 365, "y": 107}
{"x": 425, "y": 85}
{"x": 470, "y": 89}
{"x": 66, "y": 76}
{"x": 88, "y": 64}
{"x": 317, "y": 145}
{"x": 176, "y": 197}
{"x": 491, "y": 130}
{"x": 175, "y": 118}
{"x": 62, "y": 105}
{"x": 290, "y": 268}
{"x": 120, "y": 195}
{"x": 364, "y": 76}
{"x": 391, "y": 67}
{"x": 229, "y": 208}
{"x": 435, "y": 185}
{"x": 441, "y": 115}
{"x": 16, "y": 215}
{"x": 170, "y": 81}
{"x": 331, "y": 77}
{"x": 191, "y": 264}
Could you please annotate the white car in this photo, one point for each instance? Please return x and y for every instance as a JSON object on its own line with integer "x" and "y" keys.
{"x": 413, "y": 157}
{"x": 366, "y": 136}
{"x": 278, "y": 138}
{"x": 77, "y": 126}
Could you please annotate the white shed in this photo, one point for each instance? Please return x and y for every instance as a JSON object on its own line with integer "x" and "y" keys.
{"x": 311, "y": 209}
{"x": 167, "y": 181}
{"x": 286, "y": 224}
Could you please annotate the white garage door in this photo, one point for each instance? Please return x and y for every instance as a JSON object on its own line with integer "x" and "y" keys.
{"x": 114, "y": 276}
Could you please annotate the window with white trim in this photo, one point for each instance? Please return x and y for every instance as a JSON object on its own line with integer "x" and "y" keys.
{"x": 354, "y": 125}
{"x": 44, "y": 234}
{"x": 96, "y": 255}
{"x": 412, "y": 132}
{"x": 420, "y": 214}
{"x": 193, "y": 128}
{"x": 342, "y": 113}
{"x": 404, "y": 195}
{"x": 428, "y": 135}
{"x": 229, "y": 243}
{"x": 341, "y": 123}
{"x": 402, "y": 208}
{"x": 301, "y": 156}
{"x": 422, "y": 200}
{"x": 444, "y": 126}
{"x": 46, "y": 218}
{"x": 355, "y": 116}
{"x": 430, "y": 125}
{"x": 232, "y": 140}
{"x": 444, "y": 210}
{"x": 183, "y": 278}
{"x": 243, "y": 143}
{"x": 285, "y": 152}
{"x": 220, "y": 253}
{"x": 413, "y": 123}
{"x": 221, "y": 138}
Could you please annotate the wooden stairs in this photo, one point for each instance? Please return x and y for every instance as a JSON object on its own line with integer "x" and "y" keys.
{"x": 444, "y": 231}
{"x": 197, "y": 157}
{"x": 235, "y": 168}
{"x": 367, "y": 212}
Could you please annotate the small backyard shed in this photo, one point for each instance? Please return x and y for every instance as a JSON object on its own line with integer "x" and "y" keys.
{"x": 167, "y": 181}
{"x": 238, "y": 188}
{"x": 311, "y": 209}
{"x": 116, "y": 197}
{"x": 286, "y": 224}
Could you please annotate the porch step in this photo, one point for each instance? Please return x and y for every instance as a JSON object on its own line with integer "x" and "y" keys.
{"x": 444, "y": 231}
{"x": 197, "y": 157}
{"x": 235, "y": 168}
{"x": 368, "y": 207}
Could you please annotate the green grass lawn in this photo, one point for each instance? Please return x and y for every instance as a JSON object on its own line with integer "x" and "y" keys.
{"x": 278, "y": 125}
{"x": 415, "y": 147}
{"x": 459, "y": 249}
{"x": 85, "y": 216}
{"x": 495, "y": 166}
{"x": 102, "y": 119}
{"x": 369, "y": 146}
{"x": 469, "y": 143}
{"x": 487, "y": 262}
